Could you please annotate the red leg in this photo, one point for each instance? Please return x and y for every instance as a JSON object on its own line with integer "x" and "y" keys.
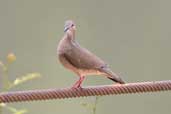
{"x": 79, "y": 82}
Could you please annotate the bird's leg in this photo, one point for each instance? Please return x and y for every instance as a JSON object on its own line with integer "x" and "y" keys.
{"x": 78, "y": 82}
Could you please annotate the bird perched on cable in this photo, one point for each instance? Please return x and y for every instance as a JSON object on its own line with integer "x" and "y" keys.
{"x": 80, "y": 60}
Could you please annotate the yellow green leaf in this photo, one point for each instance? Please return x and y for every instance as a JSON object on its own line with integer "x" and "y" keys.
{"x": 15, "y": 111}
{"x": 21, "y": 111}
{"x": 26, "y": 78}
{"x": 2, "y": 104}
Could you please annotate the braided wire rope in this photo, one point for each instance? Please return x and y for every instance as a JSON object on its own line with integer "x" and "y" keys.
{"x": 32, "y": 95}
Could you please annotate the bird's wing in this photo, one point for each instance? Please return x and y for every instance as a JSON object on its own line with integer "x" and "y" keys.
{"x": 66, "y": 62}
{"x": 81, "y": 58}
{"x": 111, "y": 75}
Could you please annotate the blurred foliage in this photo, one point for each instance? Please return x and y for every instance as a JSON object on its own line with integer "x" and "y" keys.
{"x": 13, "y": 110}
{"x": 11, "y": 57}
{"x": 92, "y": 106}
{"x": 25, "y": 78}
{"x": 7, "y": 84}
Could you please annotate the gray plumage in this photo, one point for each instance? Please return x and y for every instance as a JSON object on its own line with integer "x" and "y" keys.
{"x": 79, "y": 59}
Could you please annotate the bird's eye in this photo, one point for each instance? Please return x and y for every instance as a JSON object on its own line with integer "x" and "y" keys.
{"x": 102, "y": 67}
{"x": 72, "y": 25}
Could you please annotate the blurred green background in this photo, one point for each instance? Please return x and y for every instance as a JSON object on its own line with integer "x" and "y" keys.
{"x": 133, "y": 36}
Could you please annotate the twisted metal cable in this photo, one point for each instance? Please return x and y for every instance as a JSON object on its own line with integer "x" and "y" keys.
{"x": 32, "y": 95}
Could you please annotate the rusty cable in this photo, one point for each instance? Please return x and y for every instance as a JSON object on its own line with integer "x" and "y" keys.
{"x": 32, "y": 95}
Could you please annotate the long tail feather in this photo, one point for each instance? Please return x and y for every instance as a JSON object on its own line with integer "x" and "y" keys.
{"x": 112, "y": 76}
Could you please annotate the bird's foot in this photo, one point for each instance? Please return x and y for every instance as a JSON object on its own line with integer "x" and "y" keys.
{"x": 78, "y": 83}
{"x": 76, "y": 87}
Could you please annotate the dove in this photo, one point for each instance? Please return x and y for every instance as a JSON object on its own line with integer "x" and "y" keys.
{"x": 80, "y": 60}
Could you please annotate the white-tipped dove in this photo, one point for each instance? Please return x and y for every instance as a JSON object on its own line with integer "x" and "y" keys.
{"x": 80, "y": 60}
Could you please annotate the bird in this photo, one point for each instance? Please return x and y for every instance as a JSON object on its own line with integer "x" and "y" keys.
{"x": 79, "y": 59}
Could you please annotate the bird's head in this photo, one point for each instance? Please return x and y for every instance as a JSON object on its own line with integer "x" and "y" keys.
{"x": 69, "y": 25}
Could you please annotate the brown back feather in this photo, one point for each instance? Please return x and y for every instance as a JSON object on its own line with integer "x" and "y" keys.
{"x": 82, "y": 58}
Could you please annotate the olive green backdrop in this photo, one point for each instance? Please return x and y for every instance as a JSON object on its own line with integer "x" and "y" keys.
{"x": 133, "y": 36}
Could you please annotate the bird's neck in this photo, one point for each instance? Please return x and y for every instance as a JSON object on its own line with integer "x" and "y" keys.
{"x": 71, "y": 34}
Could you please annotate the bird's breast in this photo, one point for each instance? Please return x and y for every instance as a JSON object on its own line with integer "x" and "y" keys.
{"x": 63, "y": 46}
{"x": 89, "y": 72}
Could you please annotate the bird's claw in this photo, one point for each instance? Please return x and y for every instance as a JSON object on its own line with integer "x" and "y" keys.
{"x": 76, "y": 86}
{"x": 79, "y": 87}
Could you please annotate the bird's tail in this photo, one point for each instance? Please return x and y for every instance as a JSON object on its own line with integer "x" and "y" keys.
{"x": 117, "y": 80}
{"x": 112, "y": 76}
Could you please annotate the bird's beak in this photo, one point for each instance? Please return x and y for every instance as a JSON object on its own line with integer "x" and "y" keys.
{"x": 65, "y": 29}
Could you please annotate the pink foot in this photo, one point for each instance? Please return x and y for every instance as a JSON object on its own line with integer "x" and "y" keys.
{"x": 78, "y": 83}
{"x": 76, "y": 86}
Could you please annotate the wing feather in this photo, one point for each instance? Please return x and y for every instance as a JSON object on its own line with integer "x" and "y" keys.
{"x": 81, "y": 58}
